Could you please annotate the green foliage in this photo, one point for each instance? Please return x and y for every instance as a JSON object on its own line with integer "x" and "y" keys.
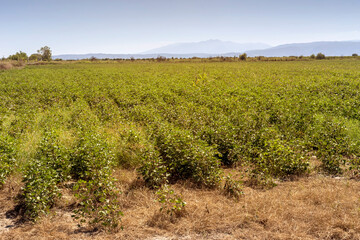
{"x": 130, "y": 148}
{"x": 92, "y": 162}
{"x": 320, "y": 56}
{"x": 45, "y": 53}
{"x": 89, "y": 162}
{"x": 171, "y": 203}
{"x": 243, "y": 57}
{"x": 200, "y": 80}
{"x": 331, "y": 142}
{"x": 187, "y": 157}
{"x": 178, "y": 120}
{"x": 221, "y": 134}
{"x": 19, "y": 56}
{"x": 98, "y": 203}
{"x": 279, "y": 160}
{"x": 92, "y": 157}
{"x": 42, "y": 175}
{"x": 40, "y": 190}
{"x": 7, "y": 157}
{"x": 153, "y": 170}
{"x": 35, "y": 57}
{"x": 233, "y": 188}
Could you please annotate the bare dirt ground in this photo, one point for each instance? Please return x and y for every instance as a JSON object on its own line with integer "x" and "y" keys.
{"x": 314, "y": 207}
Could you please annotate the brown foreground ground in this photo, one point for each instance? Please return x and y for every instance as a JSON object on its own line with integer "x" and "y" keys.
{"x": 314, "y": 207}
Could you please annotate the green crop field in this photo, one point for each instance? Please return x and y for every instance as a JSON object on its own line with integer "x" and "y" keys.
{"x": 70, "y": 125}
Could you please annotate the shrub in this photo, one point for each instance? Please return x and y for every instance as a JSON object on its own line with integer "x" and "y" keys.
{"x": 171, "y": 203}
{"x": 40, "y": 190}
{"x": 89, "y": 162}
{"x": 233, "y": 188}
{"x": 269, "y": 155}
{"x": 92, "y": 162}
{"x": 320, "y": 56}
{"x": 355, "y": 55}
{"x": 98, "y": 203}
{"x": 153, "y": 170}
{"x": 42, "y": 175}
{"x": 187, "y": 157}
{"x": 222, "y": 135}
{"x": 92, "y": 157}
{"x": 7, "y": 157}
{"x": 161, "y": 59}
{"x": 243, "y": 57}
{"x": 330, "y": 141}
{"x": 180, "y": 156}
{"x": 130, "y": 148}
{"x": 279, "y": 160}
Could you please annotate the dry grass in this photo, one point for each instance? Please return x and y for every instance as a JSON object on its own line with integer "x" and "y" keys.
{"x": 5, "y": 66}
{"x": 311, "y": 208}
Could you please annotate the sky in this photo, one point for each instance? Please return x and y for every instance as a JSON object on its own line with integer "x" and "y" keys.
{"x": 134, "y": 26}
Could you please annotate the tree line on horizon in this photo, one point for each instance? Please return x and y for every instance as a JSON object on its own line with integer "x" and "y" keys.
{"x": 43, "y": 54}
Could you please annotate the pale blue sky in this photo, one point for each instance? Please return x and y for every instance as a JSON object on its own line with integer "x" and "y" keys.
{"x": 132, "y": 26}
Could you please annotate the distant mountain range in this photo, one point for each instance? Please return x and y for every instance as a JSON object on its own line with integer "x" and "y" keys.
{"x": 208, "y": 47}
{"x": 345, "y": 48}
{"x": 213, "y": 48}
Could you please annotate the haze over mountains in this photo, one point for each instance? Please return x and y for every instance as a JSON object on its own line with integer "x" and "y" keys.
{"x": 209, "y": 46}
{"x": 212, "y": 48}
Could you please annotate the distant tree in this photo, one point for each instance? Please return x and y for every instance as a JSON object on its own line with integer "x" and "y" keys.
{"x": 320, "y": 56}
{"x": 93, "y": 59}
{"x": 45, "y": 53}
{"x": 243, "y": 57}
{"x": 312, "y": 56}
{"x": 19, "y": 56}
{"x": 35, "y": 57}
{"x": 161, "y": 58}
{"x": 355, "y": 55}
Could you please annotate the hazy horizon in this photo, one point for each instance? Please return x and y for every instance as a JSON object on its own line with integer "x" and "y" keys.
{"x": 131, "y": 27}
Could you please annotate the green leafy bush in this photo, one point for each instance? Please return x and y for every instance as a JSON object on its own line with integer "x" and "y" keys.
{"x": 92, "y": 161}
{"x": 7, "y": 157}
{"x": 320, "y": 56}
{"x": 171, "y": 203}
{"x": 223, "y": 136}
{"x": 98, "y": 203}
{"x": 153, "y": 170}
{"x": 92, "y": 158}
{"x": 279, "y": 160}
{"x": 330, "y": 141}
{"x": 233, "y": 188}
{"x": 49, "y": 167}
{"x": 89, "y": 162}
{"x": 187, "y": 157}
{"x": 40, "y": 190}
{"x": 243, "y": 57}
